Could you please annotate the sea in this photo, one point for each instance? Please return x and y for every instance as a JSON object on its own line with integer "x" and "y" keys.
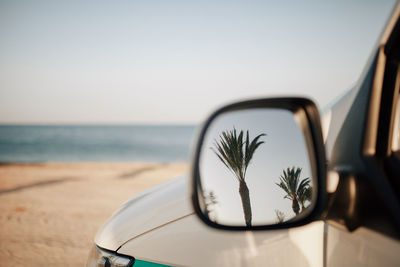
{"x": 73, "y": 143}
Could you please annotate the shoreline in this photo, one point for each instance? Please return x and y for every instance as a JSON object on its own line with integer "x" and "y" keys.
{"x": 50, "y": 212}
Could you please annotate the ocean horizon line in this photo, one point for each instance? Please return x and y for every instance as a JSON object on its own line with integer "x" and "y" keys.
{"x": 99, "y": 143}
{"x": 51, "y": 162}
{"x": 101, "y": 124}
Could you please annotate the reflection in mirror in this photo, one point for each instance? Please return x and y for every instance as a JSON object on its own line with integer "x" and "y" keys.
{"x": 254, "y": 169}
{"x": 236, "y": 153}
{"x": 297, "y": 190}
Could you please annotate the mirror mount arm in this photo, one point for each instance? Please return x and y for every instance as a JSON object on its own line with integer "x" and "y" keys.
{"x": 358, "y": 203}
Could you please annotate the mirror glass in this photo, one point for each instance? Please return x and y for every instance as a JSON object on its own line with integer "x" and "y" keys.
{"x": 254, "y": 169}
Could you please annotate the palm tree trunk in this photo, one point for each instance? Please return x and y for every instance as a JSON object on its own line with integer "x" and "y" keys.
{"x": 295, "y": 206}
{"x": 245, "y": 196}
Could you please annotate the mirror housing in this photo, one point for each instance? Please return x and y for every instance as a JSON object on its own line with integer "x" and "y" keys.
{"x": 305, "y": 113}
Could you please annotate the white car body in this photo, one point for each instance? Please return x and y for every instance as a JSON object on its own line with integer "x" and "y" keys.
{"x": 159, "y": 226}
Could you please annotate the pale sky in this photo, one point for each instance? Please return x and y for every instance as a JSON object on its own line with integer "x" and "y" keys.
{"x": 175, "y": 61}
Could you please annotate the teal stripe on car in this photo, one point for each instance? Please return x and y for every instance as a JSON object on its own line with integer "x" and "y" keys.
{"x": 139, "y": 263}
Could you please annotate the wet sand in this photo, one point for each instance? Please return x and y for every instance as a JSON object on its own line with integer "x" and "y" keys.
{"x": 49, "y": 213}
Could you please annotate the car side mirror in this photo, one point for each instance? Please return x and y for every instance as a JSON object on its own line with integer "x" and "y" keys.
{"x": 260, "y": 165}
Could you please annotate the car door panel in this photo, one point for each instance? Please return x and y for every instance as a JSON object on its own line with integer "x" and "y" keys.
{"x": 363, "y": 247}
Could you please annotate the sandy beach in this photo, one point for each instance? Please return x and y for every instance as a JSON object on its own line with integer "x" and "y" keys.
{"x": 49, "y": 213}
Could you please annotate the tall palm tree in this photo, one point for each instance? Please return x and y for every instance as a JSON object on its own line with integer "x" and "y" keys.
{"x": 296, "y": 190}
{"x": 236, "y": 154}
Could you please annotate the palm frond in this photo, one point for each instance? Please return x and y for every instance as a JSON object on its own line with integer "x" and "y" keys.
{"x": 296, "y": 190}
{"x": 235, "y": 152}
{"x": 250, "y": 148}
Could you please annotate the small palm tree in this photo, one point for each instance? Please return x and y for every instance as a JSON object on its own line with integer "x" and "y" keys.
{"x": 236, "y": 154}
{"x": 296, "y": 190}
{"x": 210, "y": 202}
{"x": 304, "y": 194}
{"x": 280, "y": 216}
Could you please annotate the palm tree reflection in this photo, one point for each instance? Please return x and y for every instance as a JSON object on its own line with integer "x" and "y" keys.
{"x": 298, "y": 191}
{"x": 280, "y": 216}
{"x": 210, "y": 202}
{"x": 236, "y": 154}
